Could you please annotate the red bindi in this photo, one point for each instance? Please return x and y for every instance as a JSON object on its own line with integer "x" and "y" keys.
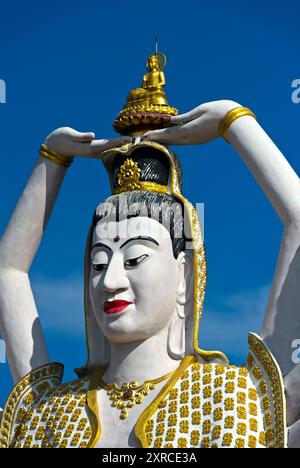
{"x": 116, "y": 239}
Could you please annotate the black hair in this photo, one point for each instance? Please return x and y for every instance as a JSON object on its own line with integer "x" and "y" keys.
{"x": 153, "y": 164}
{"x": 164, "y": 208}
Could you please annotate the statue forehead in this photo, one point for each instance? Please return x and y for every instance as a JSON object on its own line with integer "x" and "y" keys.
{"x": 113, "y": 231}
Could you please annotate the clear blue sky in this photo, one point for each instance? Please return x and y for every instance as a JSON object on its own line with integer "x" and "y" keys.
{"x": 73, "y": 63}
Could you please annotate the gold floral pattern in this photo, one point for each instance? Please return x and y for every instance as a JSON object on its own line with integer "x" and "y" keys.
{"x": 129, "y": 175}
{"x": 39, "y": 410}
{"x": 227, "y": 406}
{"x": 42, "y": 412}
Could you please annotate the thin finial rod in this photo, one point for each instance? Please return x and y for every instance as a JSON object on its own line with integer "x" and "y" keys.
{"x": 156, "y": 43}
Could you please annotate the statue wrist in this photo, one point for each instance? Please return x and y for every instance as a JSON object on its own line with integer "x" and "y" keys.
{"x": 55, "y": 158}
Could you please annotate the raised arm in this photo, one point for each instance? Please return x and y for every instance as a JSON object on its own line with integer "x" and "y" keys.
{"x": 281, "y": 185}
{"x": 19, "y": 323}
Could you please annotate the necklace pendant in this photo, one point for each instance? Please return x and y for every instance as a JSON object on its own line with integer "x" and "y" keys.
{"x": 128, "y": 394}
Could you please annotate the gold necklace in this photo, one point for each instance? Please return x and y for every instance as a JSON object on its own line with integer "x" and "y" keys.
{"x": 130, "y": 394}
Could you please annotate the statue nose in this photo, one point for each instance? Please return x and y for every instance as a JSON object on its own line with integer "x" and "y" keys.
{"x": 115, "y": 276}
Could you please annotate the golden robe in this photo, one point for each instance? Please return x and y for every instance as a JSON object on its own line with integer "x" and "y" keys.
{"x": 203, "y": 405}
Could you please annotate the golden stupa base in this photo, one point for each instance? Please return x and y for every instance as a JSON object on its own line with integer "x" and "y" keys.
{"x": 137, "y": 120}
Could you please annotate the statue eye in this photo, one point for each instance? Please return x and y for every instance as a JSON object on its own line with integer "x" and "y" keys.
{"x": 135, "y": 261}
{"x": 100, "y": 266}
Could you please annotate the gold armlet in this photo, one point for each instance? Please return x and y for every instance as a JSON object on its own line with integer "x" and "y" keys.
{"x": 231, "y": 117}
{"x": 55, "y": 158}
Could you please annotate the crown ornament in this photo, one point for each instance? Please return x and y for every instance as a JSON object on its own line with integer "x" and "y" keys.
{"x": 129, "y": 179}
{"x": 129, "y": 176}
{"x": 147, "y": 107}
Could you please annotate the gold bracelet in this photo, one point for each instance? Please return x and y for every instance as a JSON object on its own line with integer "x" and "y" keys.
{"x": 231, "y": 117}
{"x": 55, "y": 158}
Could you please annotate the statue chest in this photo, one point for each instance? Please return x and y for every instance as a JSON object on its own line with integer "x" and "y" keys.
{"x": 115, "y": 431}
{"x": 200, "y": 406}
{"x": 153, "y": 79}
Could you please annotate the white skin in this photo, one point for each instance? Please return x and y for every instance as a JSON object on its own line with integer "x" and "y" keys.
{"x": 128, "y": 270}
{"x": 272, "y": 172}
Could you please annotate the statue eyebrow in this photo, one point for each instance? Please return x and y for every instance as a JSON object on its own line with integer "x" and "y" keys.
{"x": 100, "y": 244}
{"x": 147, "y": 238}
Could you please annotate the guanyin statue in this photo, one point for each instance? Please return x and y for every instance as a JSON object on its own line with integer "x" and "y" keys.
{"x": 147, "y": 382}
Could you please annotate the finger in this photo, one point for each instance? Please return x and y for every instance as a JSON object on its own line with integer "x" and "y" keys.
{"x": 92, "y": 149}
{"x": 98, "y": 146}
{"x": 168, "y": 136}
{"x": 81, "y": 148}
{"x": 81, "y": 137}
{"x": 187, "y": 117}
{"x": 118, "y": 141}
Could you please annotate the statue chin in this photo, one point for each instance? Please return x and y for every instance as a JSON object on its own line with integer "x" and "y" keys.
{"x": 124, "y": 335}
{"x": 132, "y": 326}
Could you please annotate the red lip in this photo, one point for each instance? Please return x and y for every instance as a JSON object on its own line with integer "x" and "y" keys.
{"x": 114, "y": 307}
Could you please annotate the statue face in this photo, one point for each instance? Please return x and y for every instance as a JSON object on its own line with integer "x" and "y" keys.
{"x": 153, "y": 63}
{"x": 134, "y": 279}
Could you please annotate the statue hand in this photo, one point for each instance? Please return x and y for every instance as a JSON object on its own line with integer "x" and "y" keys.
{"x": 68, "y": 142}
{"x": 199, "y": 126}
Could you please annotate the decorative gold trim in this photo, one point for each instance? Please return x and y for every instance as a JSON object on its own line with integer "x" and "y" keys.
{"x": 54, "y": 370}
{"x": 136, "y": 123}
{"x": 231, "y": 117}
{"x": 152, "y": 408}
{"x": 158, "y": 109}
{"x": 92, "y": 400}
{"x": 264, "y": 355}
{"x": 146, "y": 186}
{"x": 55, "y": 158}
{"x": 130, "y": 394}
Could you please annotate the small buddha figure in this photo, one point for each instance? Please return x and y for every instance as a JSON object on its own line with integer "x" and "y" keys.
{"x": 154, "y": 82}
{"x": 151, "y": 93}
{"x": 147, "y": 107}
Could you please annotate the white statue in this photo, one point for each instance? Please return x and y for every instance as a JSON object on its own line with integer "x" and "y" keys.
{"x": 143, "y": 299}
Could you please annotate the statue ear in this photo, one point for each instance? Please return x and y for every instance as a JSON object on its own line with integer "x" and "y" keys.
{"x": 184, "y": 307}
{"x": 185, "y": 278}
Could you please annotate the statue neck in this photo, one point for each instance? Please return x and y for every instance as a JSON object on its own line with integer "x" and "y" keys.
{"x": 140, "y": 361}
